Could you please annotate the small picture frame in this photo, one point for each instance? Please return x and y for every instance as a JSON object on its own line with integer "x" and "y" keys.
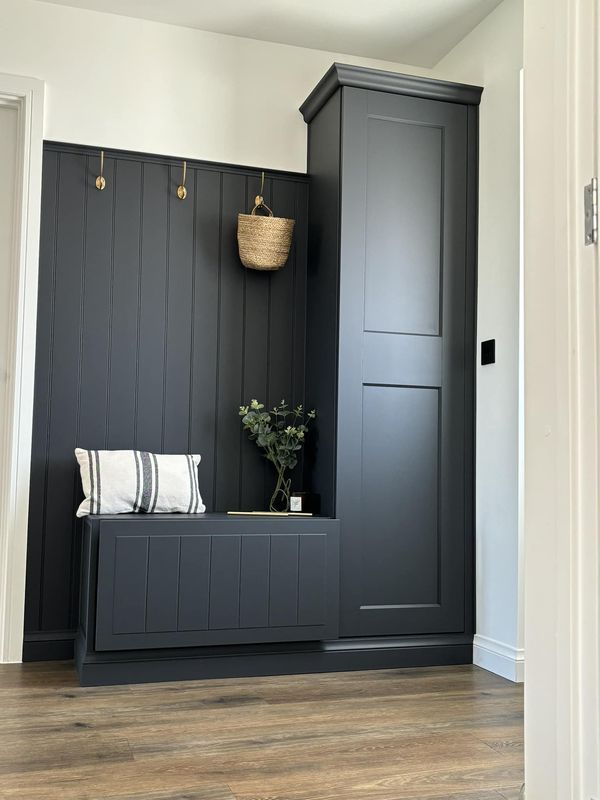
{"x": 304, "y": 503}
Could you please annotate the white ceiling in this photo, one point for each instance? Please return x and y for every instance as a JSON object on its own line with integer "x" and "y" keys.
{"x": 418, "y": 32}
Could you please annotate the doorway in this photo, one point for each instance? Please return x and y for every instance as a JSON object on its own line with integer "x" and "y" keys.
{"x": 21, "y": 118}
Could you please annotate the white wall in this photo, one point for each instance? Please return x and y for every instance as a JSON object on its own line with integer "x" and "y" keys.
{"x": 491, "y": 55}
{"x": 131, "y": 84}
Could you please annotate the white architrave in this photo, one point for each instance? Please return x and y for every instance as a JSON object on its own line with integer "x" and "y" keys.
{"x": 27, "y": 95}
{"x": 562, "y": 404}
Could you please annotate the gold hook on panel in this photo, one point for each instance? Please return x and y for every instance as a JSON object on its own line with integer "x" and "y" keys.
{"x": 100, "y": 180}
{"x": 259, "y": 200}
{"x": 181, "y": 190}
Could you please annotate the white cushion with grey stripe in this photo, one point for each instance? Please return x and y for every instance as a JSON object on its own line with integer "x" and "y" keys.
{"x": 122, "y": 481}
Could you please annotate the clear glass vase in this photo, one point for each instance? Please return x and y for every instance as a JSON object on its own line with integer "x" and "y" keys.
{"x": 280, "y": 499}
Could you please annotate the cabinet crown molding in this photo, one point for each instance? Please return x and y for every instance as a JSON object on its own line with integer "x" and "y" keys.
{"x": 379, "y": 80}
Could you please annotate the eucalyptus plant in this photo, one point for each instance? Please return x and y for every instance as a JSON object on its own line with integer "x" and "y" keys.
{"x": 280, "y": 432}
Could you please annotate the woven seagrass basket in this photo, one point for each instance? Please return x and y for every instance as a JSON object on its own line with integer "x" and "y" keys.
{"x": 264, "y": 241}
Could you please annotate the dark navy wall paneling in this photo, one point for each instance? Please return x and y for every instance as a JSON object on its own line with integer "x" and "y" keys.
{"x": 150, "y": 335}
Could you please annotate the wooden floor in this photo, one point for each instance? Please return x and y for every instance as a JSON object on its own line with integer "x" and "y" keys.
{"x": 445, "y": 732}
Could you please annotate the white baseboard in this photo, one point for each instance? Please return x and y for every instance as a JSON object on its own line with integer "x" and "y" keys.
{"x": 500, "y": 658}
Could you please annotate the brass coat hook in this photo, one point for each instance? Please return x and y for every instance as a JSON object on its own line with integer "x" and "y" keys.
{"x": 259, "y": 200}
{"x": 181, "y": 190}
{"x": 100, "y": 180}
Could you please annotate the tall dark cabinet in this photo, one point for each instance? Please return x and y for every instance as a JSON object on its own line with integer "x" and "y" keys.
{"x": 392, "y": 162}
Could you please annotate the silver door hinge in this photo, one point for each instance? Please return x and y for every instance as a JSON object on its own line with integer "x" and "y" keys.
{"x": 590, "y": 194}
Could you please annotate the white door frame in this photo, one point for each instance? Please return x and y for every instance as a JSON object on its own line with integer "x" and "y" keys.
{"x": 27, "y": 95}
{"x": 562, "y": 404}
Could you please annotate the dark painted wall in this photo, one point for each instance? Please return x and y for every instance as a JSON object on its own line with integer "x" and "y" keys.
{"x": 150, "y": 335}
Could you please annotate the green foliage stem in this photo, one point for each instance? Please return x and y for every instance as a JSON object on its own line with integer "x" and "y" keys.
{"x": 280, "y": 433}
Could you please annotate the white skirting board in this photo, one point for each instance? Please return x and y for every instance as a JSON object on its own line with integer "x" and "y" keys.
{"x": 500, "y": 658}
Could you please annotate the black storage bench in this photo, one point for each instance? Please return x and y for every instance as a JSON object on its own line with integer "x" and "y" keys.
{"x": 175, "y": 596}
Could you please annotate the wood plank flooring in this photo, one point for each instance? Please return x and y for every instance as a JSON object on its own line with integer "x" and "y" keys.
{"x": 416, "y": 734}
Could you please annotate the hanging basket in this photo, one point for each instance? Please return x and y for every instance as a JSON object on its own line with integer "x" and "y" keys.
{"x": 264, "y": 241}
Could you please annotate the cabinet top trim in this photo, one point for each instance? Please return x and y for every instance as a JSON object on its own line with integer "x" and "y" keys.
{"x": 382, "y": 81}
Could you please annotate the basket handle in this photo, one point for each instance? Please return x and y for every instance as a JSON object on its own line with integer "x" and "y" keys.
{"x": 260, "y": 203}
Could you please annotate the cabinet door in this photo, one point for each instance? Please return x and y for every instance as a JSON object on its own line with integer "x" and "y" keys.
{"x": 186, "y": 584}
{"x": 405, "y": 427}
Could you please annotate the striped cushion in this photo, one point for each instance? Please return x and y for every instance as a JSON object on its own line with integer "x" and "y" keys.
{"x": 122, "y": 481}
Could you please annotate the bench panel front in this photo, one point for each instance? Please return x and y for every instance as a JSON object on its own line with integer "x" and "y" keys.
{"x": 178, "y": 583}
